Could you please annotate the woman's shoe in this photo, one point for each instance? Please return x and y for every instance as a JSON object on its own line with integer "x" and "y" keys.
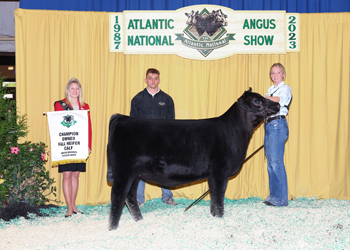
{"x": 67, "y": 215}
{"x": 78, "y": 212}
{"x": 269, "y": 203}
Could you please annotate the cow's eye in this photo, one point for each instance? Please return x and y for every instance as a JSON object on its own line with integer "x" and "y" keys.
{"x": 257, "y": 101}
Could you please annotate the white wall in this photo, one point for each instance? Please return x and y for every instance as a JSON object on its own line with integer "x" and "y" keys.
{"x": 7, "y": 26}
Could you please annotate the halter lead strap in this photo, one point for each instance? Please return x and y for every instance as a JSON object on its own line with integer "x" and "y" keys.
{"x": 287, "y": 106}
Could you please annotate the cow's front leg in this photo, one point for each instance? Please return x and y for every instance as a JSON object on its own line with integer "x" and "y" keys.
{"x": 131, "y": 201}
{"x": 217, "y": 194}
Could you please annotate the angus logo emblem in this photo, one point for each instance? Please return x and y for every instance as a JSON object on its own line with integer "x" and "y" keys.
{"x": 205, "y": 31}
{"x": 68, "y": 121}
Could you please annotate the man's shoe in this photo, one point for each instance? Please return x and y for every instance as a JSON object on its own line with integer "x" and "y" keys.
{"x": 268, "y": 203}
{"x": 140, "y": 204}
{"x": 170, "y": 202}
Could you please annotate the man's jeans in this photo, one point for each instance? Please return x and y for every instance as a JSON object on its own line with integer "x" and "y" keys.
{"x": 276, "y": 135}
{"x": 166, "y": 193}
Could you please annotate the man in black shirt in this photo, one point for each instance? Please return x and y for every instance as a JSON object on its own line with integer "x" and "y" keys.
{"x": 153, "y": 103}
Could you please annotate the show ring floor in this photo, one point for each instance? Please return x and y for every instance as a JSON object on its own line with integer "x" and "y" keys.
{"x": 247, "y": 224}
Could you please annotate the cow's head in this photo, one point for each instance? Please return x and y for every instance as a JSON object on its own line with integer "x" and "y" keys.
{"x": 258, "y": 105}
{"x": 192, "y": 17}
{"x": 219, "y": 17}
{"x": 68, "y": 118}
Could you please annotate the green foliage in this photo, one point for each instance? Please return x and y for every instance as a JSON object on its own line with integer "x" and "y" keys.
{"x": 12, "y": 126}
{"x": 23, "y": 176}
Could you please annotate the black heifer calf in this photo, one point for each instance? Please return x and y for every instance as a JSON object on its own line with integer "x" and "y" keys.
{"x": 175, "y": 152}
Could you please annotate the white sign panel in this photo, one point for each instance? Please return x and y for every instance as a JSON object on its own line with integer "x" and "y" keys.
{"x": 116, "y": 39}
{"x": 204, "y": 32}
{"x": 69, "y": 136}
{"x": 292, "y": 32}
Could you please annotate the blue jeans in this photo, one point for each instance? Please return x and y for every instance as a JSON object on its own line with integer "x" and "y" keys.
{"x": 166, "y": 193}
{"x": 276, "y": 135}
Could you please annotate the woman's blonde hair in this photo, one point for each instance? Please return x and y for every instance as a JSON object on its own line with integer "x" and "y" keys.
{"x": 279, "y": 65}
{"x": 67, "y": 97}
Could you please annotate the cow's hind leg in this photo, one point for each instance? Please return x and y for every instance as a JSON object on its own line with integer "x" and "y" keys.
{"x": 118, "y": 196}
{"x": 131, "y": 201}
{"x": 217, "y": 194}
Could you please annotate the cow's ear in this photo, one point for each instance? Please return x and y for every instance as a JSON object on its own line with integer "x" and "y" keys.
{"x": 250, "y": 89}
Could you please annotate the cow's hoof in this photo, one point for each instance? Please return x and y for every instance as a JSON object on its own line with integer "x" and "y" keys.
{"x": 113, "y": 225}
{"x": 218, "y": 214}
{"x": 112, "y": 228}
{"x": 138, "y": 218}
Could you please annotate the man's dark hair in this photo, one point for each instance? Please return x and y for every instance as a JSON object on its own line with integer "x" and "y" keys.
{"x": 153, "y": 71}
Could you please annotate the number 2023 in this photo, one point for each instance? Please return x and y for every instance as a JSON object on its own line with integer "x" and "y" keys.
{"x": 292, "y": 35}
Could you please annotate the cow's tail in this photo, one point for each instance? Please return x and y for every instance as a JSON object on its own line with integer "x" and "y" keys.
{"x": 110, "y": 178}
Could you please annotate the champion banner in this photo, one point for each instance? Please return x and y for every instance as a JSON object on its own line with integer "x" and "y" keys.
{"x": 69, "y": 136}
{"x": 204, "y": 32}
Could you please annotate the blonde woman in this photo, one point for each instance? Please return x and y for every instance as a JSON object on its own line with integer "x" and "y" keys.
{"x": 73, "y": 101}
{"x": 276, "y": 135}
